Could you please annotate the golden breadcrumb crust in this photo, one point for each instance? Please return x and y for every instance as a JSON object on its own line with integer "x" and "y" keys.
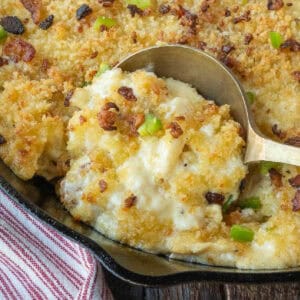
{"x": 70, "y": 51}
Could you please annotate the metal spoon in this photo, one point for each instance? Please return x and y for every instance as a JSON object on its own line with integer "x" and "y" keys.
{"x": 214, "y": 81}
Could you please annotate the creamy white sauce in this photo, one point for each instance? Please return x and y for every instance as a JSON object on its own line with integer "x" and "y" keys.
{"x": 154, "y": 169}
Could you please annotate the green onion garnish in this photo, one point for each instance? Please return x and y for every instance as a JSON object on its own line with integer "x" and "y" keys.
{"x": 104, "y": 21}
{"x": 276, "y": 39}
{"x": 265, "y": 166}
{"x": 244, "y": 2}
{"x": 241, "y": 233}
{"x": 151, "y": 125}
{"x": 250, "y": 97}
{"x": 142, "y": 4}
{"x": 227, "y": 203}
{"x": 3, "y": 34}
{"x": 251, "y": 202}
{"x": 103, "y": 68}
{"x": 85, "y": 83}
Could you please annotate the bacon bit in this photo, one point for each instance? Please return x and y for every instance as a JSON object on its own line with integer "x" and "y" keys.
{"x": 106, "y": 3}
{"x": 214, "y": 198}
{"x": 135, "y": 121}
{"x": 3, "y": 61}
{"x": 134, "y": 37}
{"x": 17, "y": 49}
{"x": 248, "y": 38}
{"x": 227, "y": 48}
{"x": 102, "y": 185}
{"x": 175, "y": 130}
{"x": 82, "y": 119}
{"x": 68, "y": 98}
{"x": 127, "y": 93}
{"x": 45, "y": 65}
{"x": 2, "y": 140}
{"x": 276, "y": 178}
{"x": 291, "y": 44}
{"x": 130, "y": 201}
{"x": 244, "y": 17}
{"x": 296, "y": 201}
{"x": 204, "y": 6}
{"x": 109, "y": 105}
{"x": 34, "y": 7}
{"x": 295, "y": 182}
{"x": 294, "y": 141}
{"x": 201, "y": 45}
{"x": 47, "y": 23}
{"x": 278, "y": 132}
{"x": 94, "y": 55}
{"x": 289, "y": 4}
{"x": 188, "y": 19}
{"x": 164, "y": 9}
{"x": 228, "y": 61}
{"x": 275, "y": 4}
{"x": 107, "y": 118}
{"x": 227, "y": 12}
{"x": 233, "y": 218}
{"x": 133, "y": 9}
{"x": 180, "y": 118}
{"x": 12, "y": 24}
{"x": 177, "y": 11}
{"x": 296, "y": 75}
{"x": 83, "y": 11}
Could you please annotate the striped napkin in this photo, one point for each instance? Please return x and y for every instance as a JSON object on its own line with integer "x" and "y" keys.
{"x": 36, "y": 262}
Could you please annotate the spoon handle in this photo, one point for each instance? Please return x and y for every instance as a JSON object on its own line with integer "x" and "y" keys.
{"x": 263, "y": 149}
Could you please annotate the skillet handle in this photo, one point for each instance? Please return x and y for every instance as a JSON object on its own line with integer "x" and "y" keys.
{"x": 263, "y": 149}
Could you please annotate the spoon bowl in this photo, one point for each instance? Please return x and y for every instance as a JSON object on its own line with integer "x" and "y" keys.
{"x": 215, "y": 82}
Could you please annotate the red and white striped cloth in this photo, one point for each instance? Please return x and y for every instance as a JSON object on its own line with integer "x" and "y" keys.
{"x": 36, "y": 262}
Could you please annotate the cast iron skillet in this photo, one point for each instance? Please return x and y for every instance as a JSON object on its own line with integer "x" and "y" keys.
{"x": 131, "y": 265}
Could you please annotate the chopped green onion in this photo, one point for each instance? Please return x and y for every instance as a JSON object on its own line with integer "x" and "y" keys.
{"x": 251, "y": 202}
{"x": 3, "y": 34}
{"x": 227, "y": 203}
{"x": 142, "y": 4}
{"x": 103, "y": 68}
{"x": 241, "y": 233}
{"x": 104, "y": 21}
{"x": 244, "y": 2}
{"x": 151, "y": 125}
{"x": 250, "y": 97}
{"x": 265, "y": 166}
{"x": 85, "y": 83}
{"x": 276, "y": 39}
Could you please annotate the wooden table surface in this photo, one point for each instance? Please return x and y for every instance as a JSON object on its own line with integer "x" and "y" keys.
{"x": 204, "y": 290}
